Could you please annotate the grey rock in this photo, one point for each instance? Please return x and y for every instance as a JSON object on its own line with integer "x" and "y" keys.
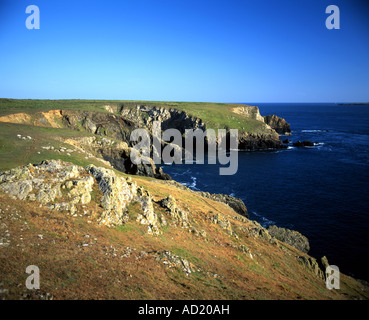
{"x": 178, "y": 216}
{"x": 19, "y": 189}
{"x": 148, "y": 217}
{"x": 235, "y": 203}
{"x": 291, "y": 237}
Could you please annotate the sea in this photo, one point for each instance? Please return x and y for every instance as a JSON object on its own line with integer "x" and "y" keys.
{"x": 320, "y": 191}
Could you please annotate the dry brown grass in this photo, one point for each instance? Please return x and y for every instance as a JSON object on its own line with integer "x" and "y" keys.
{"x": 100, "y": 270}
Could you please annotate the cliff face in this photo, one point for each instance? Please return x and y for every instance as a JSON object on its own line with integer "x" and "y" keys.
{"x": 119, "y": 126}
{"x": 280, "y": 125}
{"x": 264, "y": 138}
{"x": 259, "y": 141}
{"x": 144, "y": 116}
{"x": 235, "y": 203}
{"x": 118, "y": 122}
{"x": 251, "y": 112}
{"x": 292, "y": 237}
{"x": 118, "y": 154}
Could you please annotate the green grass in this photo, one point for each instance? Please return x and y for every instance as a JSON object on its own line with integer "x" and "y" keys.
{"x": 9, "y": 106}
{"x": 16, "y": 152}
{"x": 127, "y": 227}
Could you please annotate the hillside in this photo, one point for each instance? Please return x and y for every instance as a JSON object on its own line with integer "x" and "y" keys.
{"x": 98, "y": 233}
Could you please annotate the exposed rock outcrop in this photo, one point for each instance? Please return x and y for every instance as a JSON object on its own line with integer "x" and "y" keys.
{"x": 65, "y": 187}
{"x": 173, "y": 261}
{"x": 178, "y": 216}
{"x": 118, "y": 154}
{"x": 145, "y": 115}
{"x": 148, "y": 216}
{"x": 251, "y": 112}
{"x": 312, "y": 265}
{"x": 291, "y": 237}
{"x": 235, "y": 203}
{"x": 280, "y": 125}
{"x": 259, "y": 141}
{"x": 117, "y": 194}
{"x": 222, "y": 222}
{"x": 104, "y": 124}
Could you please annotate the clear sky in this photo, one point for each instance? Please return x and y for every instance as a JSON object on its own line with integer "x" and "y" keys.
{"x": 185, "y": 50}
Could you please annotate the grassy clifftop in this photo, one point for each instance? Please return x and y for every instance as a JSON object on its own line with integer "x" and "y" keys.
{"x": 215, "y": 115}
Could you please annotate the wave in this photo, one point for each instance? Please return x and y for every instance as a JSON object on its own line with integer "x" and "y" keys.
{"x": 265, "y": 222}
{"x": 184, "y": 173}
{"x": 311, "y": 130}
{"x": 191, "y": 185}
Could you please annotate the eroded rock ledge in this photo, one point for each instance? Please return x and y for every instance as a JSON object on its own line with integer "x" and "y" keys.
{"x": 66, "y": 187}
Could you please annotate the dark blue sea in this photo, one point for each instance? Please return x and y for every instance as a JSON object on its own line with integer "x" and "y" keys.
{"x": 320, "y": 191}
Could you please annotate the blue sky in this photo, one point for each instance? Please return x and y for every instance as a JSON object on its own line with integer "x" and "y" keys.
{"x": 184, "y": 50}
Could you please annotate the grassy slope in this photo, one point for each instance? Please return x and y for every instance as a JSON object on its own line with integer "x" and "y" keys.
{"x": 16, "y": 152}
{"x": 100, "y": 271}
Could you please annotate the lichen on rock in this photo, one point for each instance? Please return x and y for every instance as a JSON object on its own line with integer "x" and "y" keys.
{"x": 178, "y": 215}
{"x": 148, "y": 216}
{"x": 117, "y": 194}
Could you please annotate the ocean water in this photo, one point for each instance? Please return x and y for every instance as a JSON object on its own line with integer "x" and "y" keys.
{"x": 321, "y": 191}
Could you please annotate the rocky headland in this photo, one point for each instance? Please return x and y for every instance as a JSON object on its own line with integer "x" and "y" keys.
{"x": 109, "y": 228}
{"x": 280, "y": 125}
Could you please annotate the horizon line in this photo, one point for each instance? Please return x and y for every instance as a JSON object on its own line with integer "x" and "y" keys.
{"x": 194, "y": 101}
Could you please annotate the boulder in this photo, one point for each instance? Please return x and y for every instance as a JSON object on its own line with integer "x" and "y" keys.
{"x": 305, "y": 143}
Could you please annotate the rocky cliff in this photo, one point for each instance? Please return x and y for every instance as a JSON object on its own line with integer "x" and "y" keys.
{"x": 235, "y": 203}
{"x": 118, "y": 120}
{"x": 280, "y": 125}
{"x": 292, "y": 237}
